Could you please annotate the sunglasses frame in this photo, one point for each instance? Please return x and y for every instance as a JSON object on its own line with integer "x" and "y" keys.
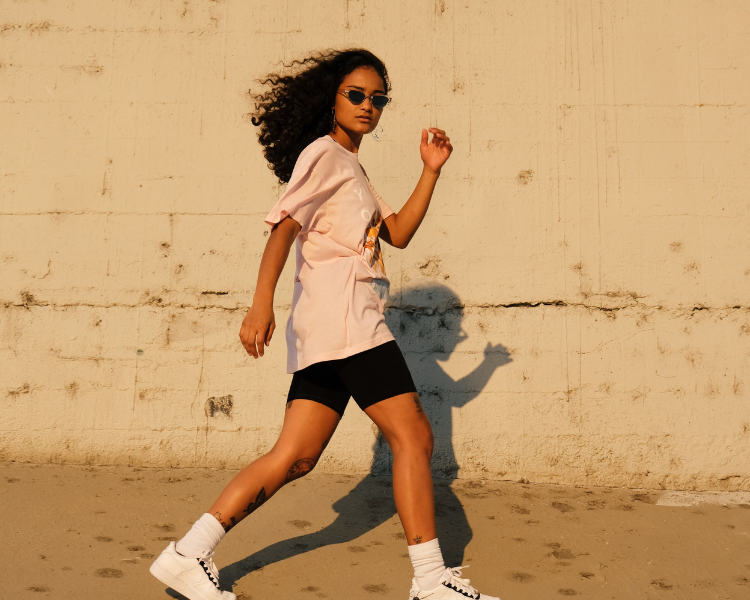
{"x": 371, "y": 96}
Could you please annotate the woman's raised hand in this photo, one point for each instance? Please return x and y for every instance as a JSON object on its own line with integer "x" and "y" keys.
{"x": 257, "y": 329}
{"x": 437, "y": 151}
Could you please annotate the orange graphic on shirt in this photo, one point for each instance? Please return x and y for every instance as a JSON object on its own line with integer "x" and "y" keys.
{"x": 372, "y": 253}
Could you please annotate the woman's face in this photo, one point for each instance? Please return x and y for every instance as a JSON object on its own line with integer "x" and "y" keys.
{"x": 359, "y": 118}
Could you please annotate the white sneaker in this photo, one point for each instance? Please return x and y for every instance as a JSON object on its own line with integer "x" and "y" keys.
{"x": 194, "y": 578}
{"x": 449, "y": 588}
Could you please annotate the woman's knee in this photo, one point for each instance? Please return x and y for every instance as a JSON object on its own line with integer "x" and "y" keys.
{"x": 418, "y": 440}
{"x": 300, "y": 468}
{"x": 294, "y": 464}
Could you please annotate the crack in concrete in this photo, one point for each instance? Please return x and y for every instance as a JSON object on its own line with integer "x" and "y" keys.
{"x": 28, "y": 301}
{"x": 426, "y": 310}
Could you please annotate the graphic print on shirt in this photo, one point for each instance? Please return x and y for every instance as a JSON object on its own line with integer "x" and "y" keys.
{"x": 371, "y": 252}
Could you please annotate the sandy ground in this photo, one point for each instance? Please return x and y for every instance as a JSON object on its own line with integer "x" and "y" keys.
{"x": 92, "y": 532}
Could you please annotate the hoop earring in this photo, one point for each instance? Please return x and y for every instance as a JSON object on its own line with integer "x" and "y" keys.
{"x": 378, "y": 133}
{"x": 333, "y": 119}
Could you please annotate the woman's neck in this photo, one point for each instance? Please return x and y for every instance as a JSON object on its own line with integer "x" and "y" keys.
{"x": 347, "y": 141}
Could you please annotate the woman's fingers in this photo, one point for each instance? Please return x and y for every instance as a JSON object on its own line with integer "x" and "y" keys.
{"x": 436, "y": 134}
{"x": 440, "y": 138}
{"x": 439, "y": 148}
{"x": 247, "y": 339}
{"x": 255, "y": 338}
{"x": 261, "y": 339}
{"x": 249, "y": 344}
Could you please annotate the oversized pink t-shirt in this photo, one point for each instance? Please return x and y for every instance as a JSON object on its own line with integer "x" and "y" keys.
{"x": 340, "y": 282}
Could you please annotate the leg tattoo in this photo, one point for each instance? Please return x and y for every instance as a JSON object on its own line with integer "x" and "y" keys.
{"x": 300, "y": 468}
{"x": 260, "y": 499}
{"x": 418, "y": 403}
{"x": 418, "y": 539}
{"x": 227, "y": 527}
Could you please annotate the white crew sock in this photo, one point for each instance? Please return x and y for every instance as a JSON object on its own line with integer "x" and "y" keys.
{"x": 201, "y": 540}
{"x": 428, "y": 564}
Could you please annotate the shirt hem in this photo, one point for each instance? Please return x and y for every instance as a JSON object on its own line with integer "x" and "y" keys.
{"x": 341, "y": 353}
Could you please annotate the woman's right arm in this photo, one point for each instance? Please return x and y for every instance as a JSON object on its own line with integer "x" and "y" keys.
{"x": 259, "y": 323}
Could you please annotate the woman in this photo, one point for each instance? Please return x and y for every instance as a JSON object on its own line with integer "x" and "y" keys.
{"x": 311, "y": 126}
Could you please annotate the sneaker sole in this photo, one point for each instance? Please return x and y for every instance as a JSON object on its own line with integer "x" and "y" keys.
{"x": 175, "y": 583}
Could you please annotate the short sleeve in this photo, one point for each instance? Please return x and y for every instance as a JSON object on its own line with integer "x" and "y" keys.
{"x": 304, "y": 194}
{"x": 385, "y": 210}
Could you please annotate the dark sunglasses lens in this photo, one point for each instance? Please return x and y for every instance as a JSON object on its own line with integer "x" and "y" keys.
{"x": 356, "y": 97}
{"x": 379, "y": 101}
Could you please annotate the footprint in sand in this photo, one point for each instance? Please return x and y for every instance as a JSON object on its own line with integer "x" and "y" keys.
{"x": 109, "y": 573}
{"x": 567, "y": 592}
{"x": 38, "y": 588}
{"x": 380, "y": 588}
{"x": 300, "y": 524}
{"x": 103, "y": 538}
{"x": 521, "y": 577}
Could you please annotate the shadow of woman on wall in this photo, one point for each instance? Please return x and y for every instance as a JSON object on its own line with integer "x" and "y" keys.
{"x": 426, "y": 323}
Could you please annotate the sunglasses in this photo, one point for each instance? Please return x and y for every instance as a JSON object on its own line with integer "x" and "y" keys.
{"x": 357, "y": 97}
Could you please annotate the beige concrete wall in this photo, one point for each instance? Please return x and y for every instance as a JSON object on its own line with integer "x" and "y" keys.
{"x": 592, "y": 223}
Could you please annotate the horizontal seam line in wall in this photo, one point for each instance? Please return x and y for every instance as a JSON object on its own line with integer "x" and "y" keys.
{"x": 426, "y": 310}
{"x": 137, "y": 214}
{"x": 520, "y": 104}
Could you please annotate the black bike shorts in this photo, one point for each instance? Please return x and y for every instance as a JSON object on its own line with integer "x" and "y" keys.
{"x": 369, "y": 377}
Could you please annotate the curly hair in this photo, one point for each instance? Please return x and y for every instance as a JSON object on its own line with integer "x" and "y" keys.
{"x": 296, "y": 110}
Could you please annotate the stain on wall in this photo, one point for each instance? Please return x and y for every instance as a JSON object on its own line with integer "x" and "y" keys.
{"x": 220, "y": 407}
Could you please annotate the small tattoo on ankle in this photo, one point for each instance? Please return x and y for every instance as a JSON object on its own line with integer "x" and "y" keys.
{"x": 418, "y": 539}
{"x": 418, "y": 403}
{"x": 260, "y": 499}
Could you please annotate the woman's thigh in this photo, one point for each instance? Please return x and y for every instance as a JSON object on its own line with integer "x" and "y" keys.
{"x": 307, "y": 429}
{"x": 402, "y": 421}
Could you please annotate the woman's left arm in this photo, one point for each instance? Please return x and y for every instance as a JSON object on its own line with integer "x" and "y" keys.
{"x": 399, "y": 228}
